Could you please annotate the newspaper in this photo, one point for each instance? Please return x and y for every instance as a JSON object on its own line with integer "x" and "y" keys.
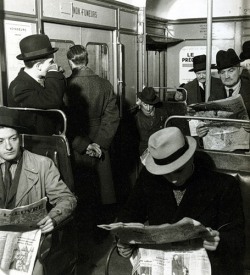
{"x": 18, "y": 251}
{"x": 187, "y": 262}
{"x": 27, "y": 216}
{"x": 137, "y": 233}
{"x": 18, "y": 242}
{"x": 222, "y": 135}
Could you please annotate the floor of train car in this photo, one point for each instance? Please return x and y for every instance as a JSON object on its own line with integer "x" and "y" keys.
{"x": 95, "y": 244}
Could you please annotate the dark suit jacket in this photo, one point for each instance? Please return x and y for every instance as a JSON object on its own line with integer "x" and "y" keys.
{"x": 211, "y": 198}
{"x": 24, "y": 91}
{"x": 193, "y": 90}
{"x": 219, "y": 92}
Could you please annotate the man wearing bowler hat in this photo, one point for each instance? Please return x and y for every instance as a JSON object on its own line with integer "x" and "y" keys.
{"x": 171, "y": 187}
{"x": 196, "y": 87}
{"x": 150, "y": 116}
{"x": 26, "y": 178}
{"x": 40, "y": 84}
{"x": 232, "y": 83}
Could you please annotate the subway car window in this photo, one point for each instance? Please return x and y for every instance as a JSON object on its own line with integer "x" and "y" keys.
{"x": 60, "y": 57}
{"x": 99, "y": 59}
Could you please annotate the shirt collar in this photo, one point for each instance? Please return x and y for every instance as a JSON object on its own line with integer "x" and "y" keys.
{"x": 236, "y": 88}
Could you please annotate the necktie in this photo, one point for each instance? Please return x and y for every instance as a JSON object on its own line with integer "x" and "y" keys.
{"x": 230, "y": 92}
{"x": 7, "y": 178}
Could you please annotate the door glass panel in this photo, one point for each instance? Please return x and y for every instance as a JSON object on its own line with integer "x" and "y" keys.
{"x": 60, "y": 56}
{"x": 98, "y": 59}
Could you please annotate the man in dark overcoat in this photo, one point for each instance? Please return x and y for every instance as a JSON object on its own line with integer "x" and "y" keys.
{"x": 93, "y": 121}
{"x": 40, "y": 84}
{"x": 171, "y": 187}
{"x": 196, "y": 87}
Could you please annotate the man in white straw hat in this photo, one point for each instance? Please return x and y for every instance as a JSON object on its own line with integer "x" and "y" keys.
{"x": 170, "y": 187}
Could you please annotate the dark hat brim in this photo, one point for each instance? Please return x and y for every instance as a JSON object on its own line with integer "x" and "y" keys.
{"x": 19, "y": 129}
{"x": 228, "y": 66}
{"x": 213, "y": 66}
{"x": 155, "y": 101}
{"x": 38, "y": 56}
{"x": 244, "y": 56}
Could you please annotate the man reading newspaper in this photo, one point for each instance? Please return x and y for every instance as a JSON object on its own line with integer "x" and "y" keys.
{"x": 26, "y": 178}
{"x": 170, "y": 187}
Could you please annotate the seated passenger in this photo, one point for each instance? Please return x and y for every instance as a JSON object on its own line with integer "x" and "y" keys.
{"x": 31, "y": 177}
{"x": 245, "y": 60}
{"x": 171, "y": 187}
{"x": 150, "y": 116}
{"x": 232, "y": 83}
{"x": 196, "y": 87}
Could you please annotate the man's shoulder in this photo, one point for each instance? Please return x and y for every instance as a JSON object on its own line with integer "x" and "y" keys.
{"x": 35, "y": 157}
{"x": 216, "y": 178}
{"x": 191, "y": 83}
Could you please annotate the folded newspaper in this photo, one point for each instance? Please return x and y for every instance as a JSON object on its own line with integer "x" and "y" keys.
{"x": 27, "y": 216}
{"x": 137, "y": 233}
{"x": 222, "y": 135}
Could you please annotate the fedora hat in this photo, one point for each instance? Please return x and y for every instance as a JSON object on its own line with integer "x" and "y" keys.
{"x": 169, "y": 150}
{"x": 10, "y": 118}
{"x": 148, "y": 96}
{"x": 245, "y": 51}
{"x": 199, "y": 63}
{"x": 34, "y": 47}
{"x": 226, "y": 59}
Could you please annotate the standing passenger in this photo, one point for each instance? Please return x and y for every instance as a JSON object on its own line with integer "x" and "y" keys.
{"x": 93, "y": 121}
{"x": 40, "y": 84}
{"x": 196, "y": 87}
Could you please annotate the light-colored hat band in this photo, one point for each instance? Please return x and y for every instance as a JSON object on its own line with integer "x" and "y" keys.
{"x": 173, "y": 157}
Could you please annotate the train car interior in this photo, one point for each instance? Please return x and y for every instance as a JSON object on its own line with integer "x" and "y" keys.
{"x": 133, "y": 44}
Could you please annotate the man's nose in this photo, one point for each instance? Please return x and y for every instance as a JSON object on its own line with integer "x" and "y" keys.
{"x": 8, "y": 145}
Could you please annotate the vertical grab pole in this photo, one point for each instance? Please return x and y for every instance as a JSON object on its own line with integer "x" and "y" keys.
{"x": 209, "y": 47}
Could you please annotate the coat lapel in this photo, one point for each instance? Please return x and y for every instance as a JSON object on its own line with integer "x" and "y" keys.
{"x": 28, "y": 178}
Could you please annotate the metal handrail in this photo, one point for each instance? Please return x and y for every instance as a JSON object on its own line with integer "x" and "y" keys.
{"x": 207, "y": 118}
{"x": 174, "y": 89}
{"x": 47, "y": 110}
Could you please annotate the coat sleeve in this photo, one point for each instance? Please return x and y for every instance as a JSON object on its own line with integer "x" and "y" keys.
{"x": 109, "y": 120}
{"x": 60, "y": 197}
{"x": 231, "y": 223}
{"x": 135, "y": 209}
{"x": 48, "y": 97}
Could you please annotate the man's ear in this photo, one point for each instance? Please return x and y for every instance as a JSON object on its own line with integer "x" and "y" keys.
{"x": 38, "y": 66}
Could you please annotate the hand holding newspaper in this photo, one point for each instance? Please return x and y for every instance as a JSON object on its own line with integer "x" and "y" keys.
{"x": 28, "y": 215}
{"x": 137, "y": 233}
{"x": 222, "y": 135}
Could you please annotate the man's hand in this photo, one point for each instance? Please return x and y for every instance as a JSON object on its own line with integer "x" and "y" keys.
{"x": 179, "y": 96}
{"x": 94, "y": 150}
{"x": 125, "y": 250}
{"x": 211, "y": 239}
{"x": 46, "y": 225}
{"x": 202, "y": 130}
